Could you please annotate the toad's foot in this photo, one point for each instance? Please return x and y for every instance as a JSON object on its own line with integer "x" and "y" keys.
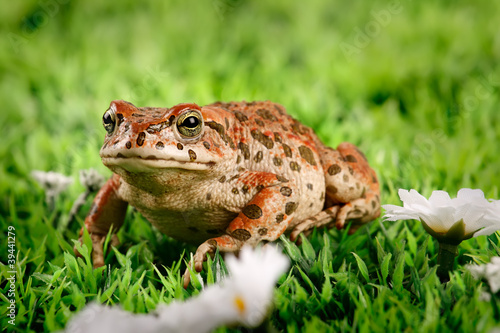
{"x": 322, "y": 219}
{"x": 97, "y": 248}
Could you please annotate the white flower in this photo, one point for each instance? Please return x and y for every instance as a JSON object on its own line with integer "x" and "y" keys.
{"x": 91, "y": 180}
{"x": 52, "y": 182}
{"x": 489, "y": 272}
{"x": 242, "y": 298}
{"x": 453, "y": 220}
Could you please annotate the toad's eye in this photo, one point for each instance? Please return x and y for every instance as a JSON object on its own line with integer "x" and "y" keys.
{"x": 109, "y": 121}
{"x": 189, "y": 124}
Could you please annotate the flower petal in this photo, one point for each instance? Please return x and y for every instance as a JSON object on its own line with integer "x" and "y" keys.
{"x": 411, "y": 198}
{"x": 440, "y": 199}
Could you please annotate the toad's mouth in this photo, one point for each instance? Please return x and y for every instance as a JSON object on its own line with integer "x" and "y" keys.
{"x": 150, "y": 163}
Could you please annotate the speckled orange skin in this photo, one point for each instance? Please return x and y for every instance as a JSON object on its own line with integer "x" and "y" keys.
{"x": 252, "y": 174}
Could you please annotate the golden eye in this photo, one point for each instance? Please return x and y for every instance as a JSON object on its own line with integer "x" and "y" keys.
{"x": 189, "y": 124}
{"x": 109, "y": 121}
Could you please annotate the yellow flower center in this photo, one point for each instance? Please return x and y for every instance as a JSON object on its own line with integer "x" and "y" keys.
{"x": 240, "y": 304}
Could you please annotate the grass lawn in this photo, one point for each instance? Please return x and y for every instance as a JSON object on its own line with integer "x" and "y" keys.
{"x": 415, "y": 84}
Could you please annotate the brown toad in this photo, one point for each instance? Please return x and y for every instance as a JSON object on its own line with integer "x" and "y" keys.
{"x": 225, "y": 175}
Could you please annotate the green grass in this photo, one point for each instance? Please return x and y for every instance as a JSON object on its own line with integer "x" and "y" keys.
{"x": 420, "y": 96}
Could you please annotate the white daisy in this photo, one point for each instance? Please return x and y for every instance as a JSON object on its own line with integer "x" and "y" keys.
{"x": 489, "y": 272}
{"x": 468, "y": 215}
{"x": 53, "y": 184}
{"x": 242, "y": 298}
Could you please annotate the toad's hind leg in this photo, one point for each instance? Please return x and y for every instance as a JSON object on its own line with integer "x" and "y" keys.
{"x": 321, "y": 219}
{"x": 352, "y": 190}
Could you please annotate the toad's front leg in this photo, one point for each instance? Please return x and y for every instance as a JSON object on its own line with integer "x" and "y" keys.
{"x": 108, "y": 211}
{"x": 263, "y": 218}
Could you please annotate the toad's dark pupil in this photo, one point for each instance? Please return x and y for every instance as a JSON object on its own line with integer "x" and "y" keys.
{"x": 107, "y": 118}
{"x": 190, "y": 122}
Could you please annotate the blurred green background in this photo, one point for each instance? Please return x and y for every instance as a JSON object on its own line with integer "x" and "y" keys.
{"x": 415, "y": 84}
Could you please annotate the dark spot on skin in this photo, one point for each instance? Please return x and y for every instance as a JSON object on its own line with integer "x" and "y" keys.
{"x": 284, "y": 128}
{"x": 140, "y": 138}
{"x": 238, "y": 159}
{"x": 180, "y": 146}
{"x": 259, "y": 122}
{"x": 266, "y": 114}
{"x": 258, "y": 157}
{"x": 282, "y": 179}
{"x": 159, "y": 145}
{"x": 235, "y": 190}
{"x": 322, "y": 196}
{"x": 262, "y": 231}
{"x": 192, "y": 155}
{"x": 244, "y": 150}
{"x": 209, "y": 196}
{"x": 222, "y": 132}
{"x": 245, "y": 189}
{"x": 279, "y": 109}
{"x": 357, "y": 212}
{"x": 345, "y": 178}
{"x": 351, "y": 158}
{"x": 171, "y": 120}
{"x": 332, "y": 189}
{"x": 334, "y": 169}
{"x": 307, "y": 154}
{"x": 222, "y": 179}
{"x": 377, "y": 197}
{"x": 120, "y": 118}
{"x": 287, "y": 150}
{"x": 263, "y": 139}
{"x": 294, "y": 166}
{"x": 128, "y": 145}
{"x": 252, "y": 211}
{"x": 277, "y": 161}
{"x": 227, "y": 123}
{"x": 280, "y": 218}
{"x": 206, "y": 144}
{"x": 277, "y": 137}
{"x": 374, "y": 204}
{"x": 309, "y": 186}
{"x": 298, "y": 128}
{"x": 193, "y": 229}
{"x": 374, "y": 179}
{"x": 127, "y": 127}
{"x": 358, "y": 186}
{"x": 139, "y": 120}
{"x": 212, "y": 243}
{"x": 259, "y": 188}
{"x": 286, "y": 191}
{"x": 233, "y": 178}
{"x": 240, "y": 116}
{"x": 351, "y": 170}
{"x": 241, "y": 234}
{"x": 138, "y": 114}
{"x": 120, "y": 155}
{"x": 290, "y": 207}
